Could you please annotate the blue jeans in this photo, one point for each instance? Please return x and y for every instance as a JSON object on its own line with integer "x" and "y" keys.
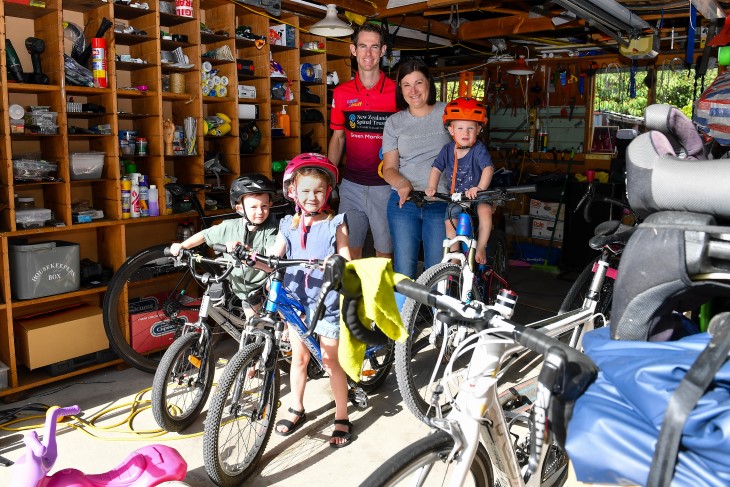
{"x": 409, "y": 227}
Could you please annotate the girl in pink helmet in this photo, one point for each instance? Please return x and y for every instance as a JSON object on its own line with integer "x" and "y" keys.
{"x": 313, "y": 233}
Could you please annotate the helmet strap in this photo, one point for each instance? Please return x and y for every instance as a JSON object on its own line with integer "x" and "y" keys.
{"x": 456, "y": 167}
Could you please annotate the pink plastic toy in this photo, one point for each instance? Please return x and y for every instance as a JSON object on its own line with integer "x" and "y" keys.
{"x": 145, "y": 467}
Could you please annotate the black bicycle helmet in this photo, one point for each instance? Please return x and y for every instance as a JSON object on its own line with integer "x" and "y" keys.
{"x": 253, "y": 183}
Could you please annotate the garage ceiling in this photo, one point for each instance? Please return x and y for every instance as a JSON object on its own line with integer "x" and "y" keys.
{"x": 503, "y": 27}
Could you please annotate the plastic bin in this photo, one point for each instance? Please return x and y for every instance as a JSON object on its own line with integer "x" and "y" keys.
{"x": 32, "y": 217}
{"x": 86, "y": 165}
{"x": 43, "y": 269}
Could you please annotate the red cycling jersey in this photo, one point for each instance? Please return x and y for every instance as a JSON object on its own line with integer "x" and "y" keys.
{"x": 361, "y": 113}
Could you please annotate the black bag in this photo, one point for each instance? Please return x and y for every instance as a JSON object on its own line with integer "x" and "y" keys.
{"x": 312, "y": 115}
{"x": 249, "y": 137}
{"x": 308, "y": 96}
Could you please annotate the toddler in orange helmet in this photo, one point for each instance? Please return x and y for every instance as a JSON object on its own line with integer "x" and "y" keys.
{"x": 468, "y": 164}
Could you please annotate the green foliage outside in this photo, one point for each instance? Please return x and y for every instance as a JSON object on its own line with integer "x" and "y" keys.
{"x": 672, "y": 87}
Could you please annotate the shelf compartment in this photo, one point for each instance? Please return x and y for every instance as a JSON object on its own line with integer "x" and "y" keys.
{"x": 123, "y": 39}
{"x": 31, "y": 88}
{"x": 82, "y": 5}
{"x": 170, "y": 20}
{"x": 130, "y": 66}
{"x": 126, "y": 12}
{"x": 207, "y": 38}
{"x": 168, "y": 45}
{"x": 26, "y": 11}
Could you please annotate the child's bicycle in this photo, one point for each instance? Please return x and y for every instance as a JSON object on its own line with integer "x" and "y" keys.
{"x": 430, "y": 341}
{"x": 152, "y": 281}
{"x": 242, "y": 411}
{"x": 145, "y": 467}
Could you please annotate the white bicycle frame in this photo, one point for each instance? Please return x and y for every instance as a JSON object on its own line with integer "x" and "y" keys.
{"x": 477, "y": 415}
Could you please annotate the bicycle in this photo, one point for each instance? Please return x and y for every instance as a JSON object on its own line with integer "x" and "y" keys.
{"x": 242, "y": 411}
{"x": 184, "y": 376}
{"x": 610, "y": 238}
{"x": 431, "y": 341}
{"x": 473, "y": 440}
{"x": 145, "y": 274}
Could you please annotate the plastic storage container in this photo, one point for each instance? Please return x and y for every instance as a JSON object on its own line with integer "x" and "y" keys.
{"x": 32, "y": 217}
{"x": 87, "y": 165}
{"x": 36, "y": 170}
{"x": 43, "y": 269}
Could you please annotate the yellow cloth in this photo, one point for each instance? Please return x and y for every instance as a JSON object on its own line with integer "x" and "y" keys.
{"x": 377, "y": 305}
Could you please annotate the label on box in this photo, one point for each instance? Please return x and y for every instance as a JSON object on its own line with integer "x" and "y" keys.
{"x": 544, "y": 229}
{"x": 151, "y": 328}
{"x": 544, "y": 209}
{"x": 246, "y": 91}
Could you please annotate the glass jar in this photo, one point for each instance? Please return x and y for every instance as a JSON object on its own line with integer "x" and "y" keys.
{"x": 25, "y": 202}
{"x": 141, "y": 146}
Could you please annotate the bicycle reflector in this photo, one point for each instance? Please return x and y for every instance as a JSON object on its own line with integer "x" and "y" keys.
{"x": 506, "y": 302}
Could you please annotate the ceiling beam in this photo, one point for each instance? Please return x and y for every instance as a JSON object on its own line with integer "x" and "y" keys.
{"x": 421, "y": 23}
{"x": 511, "y": 25}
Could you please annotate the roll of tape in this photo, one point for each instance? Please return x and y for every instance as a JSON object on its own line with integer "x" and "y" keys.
{"x": 210, "y": 83}
{"x": 207, "y": 67}
{"x": 216, "y": 80}
{"x": 206, "y": 90}
{"x": 16, "y": 112}
{"x": 224, "y": 80}
{"x": 222, "y": 91}
{"x": 307, "y": 72}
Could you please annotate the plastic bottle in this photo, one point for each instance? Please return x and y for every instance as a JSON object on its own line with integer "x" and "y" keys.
{"x": 126, "y": 198}
{"x": 284, "y": 121}
{"x": 134, "y": 192}
{"x": 168, "y": 197}
{"x": 144, "y": 198}
{"x": 154, "y": 204}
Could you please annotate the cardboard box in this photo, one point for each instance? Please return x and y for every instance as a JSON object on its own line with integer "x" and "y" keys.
{"x": 246, "y": 91}
{"x": 544, "y": 209}
{"x": 150, "y": 328}
{"x": 544, "y": 229}
{"x": 282, "y": 35}
{"x": 60, "y": 335}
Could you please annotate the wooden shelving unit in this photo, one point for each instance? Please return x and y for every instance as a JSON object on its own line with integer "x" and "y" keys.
{"x": 110, "y": 240}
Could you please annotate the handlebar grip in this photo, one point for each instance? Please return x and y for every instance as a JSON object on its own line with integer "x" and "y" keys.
{"x": 416, "y": 291}
{"x": 220, "y": 248}
{"x": 167, "y": 252}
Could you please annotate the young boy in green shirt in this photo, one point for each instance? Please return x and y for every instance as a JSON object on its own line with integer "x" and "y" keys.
{"x": 251, "y": 197}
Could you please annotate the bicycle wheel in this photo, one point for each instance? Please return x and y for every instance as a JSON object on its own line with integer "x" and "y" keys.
{"x": 376, "y": 366}
{"x": 579, "y": 290}
{"x": 147, "y": 273}
{"x": 424, "y": 464}
{"x": 240, "y": 420}
{"x": 417, "y": 360}
{"x": 182, "y": 382}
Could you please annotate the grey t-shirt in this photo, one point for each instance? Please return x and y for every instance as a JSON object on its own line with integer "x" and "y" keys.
{"x": 246, "y": 280}
{"x": 418, "y": 141}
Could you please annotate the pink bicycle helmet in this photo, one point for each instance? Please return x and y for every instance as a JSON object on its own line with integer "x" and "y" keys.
{"x": 307, "y": 160}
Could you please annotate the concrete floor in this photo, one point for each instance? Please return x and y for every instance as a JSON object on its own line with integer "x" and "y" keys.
{"x": 304, "y": 458}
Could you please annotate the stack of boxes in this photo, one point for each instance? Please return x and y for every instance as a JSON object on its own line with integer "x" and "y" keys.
{"x": 535, "y": 219}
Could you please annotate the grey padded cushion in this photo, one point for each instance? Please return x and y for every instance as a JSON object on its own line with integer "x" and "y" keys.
{"x": 681, "y": 132}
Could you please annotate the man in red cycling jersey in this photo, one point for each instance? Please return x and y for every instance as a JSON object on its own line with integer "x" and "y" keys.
{"x": 359, "y": 110}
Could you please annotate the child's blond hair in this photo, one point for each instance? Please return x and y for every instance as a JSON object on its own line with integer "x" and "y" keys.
{"x": 315, "y": 173}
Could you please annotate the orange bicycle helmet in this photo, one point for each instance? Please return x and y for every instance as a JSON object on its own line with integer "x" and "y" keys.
{"x": 465, "y": 109}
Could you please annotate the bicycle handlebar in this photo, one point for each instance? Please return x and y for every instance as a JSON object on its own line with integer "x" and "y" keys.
{"x": 333, "y": 268}
{"x": 193, "y": 257}
{"x": 495, "y": 195}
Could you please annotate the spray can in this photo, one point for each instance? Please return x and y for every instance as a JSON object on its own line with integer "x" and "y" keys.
{"x": 98, "y": 61}
{"x": 134, "y": 207}
{"x": 126, "y": 198}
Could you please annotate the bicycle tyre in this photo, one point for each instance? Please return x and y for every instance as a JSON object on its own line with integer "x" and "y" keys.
{"x": 416, "y": 357}
{"x": 579, "y": 290}
{"x": 116, "y": 320}
{"x": 429, "y": 451}
{"x": 230, "y": 454}
{"x": 180, "y": 388}
{"x": 376, "y": 367}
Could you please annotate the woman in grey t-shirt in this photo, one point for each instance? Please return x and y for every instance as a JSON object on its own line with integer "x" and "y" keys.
{"x": 412, "y": 138}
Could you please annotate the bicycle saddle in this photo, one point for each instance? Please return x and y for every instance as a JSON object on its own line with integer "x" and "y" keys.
{"x": 611, "y": 232}
{"x": 179, "y": 189}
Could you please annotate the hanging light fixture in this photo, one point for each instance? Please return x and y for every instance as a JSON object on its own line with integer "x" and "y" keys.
{"x": 520, "y": 67}
{"x": 331, "y": 25}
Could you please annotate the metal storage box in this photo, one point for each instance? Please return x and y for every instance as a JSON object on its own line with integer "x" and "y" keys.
{"x": 43, "y": 269}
